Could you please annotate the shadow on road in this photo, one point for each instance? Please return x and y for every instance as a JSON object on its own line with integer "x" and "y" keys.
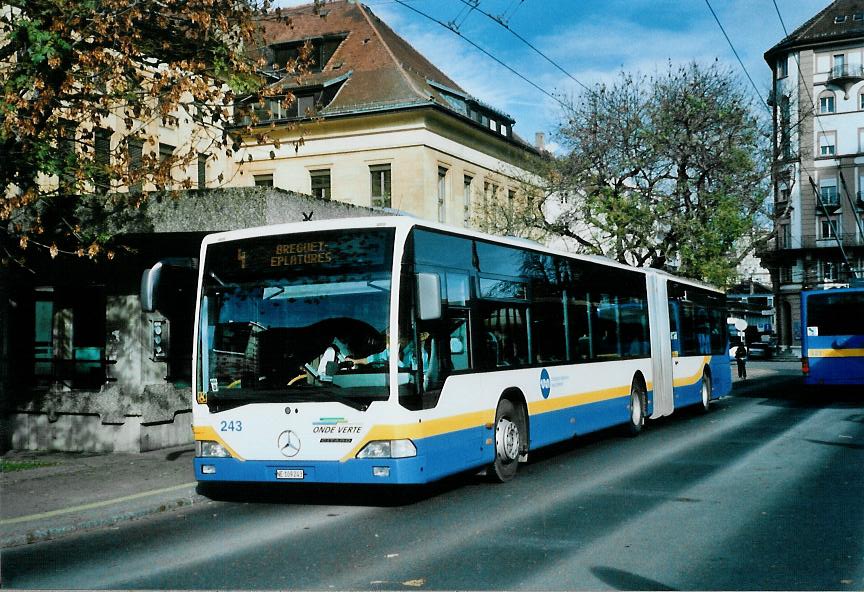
{"x": 384, "y": 496}
{"x": 791, "y": 392}
{"x": 624, "y": 580}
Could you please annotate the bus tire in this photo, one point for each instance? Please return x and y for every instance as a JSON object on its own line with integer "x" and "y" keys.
{"x": 705, "y": 386}
{"x": 636, "y": 408}
{"x": 510, "y": 433}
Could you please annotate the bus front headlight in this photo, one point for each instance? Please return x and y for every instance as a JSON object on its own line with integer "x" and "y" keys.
{"x": 388, "y": 449}
{"x": 208, "y": 448}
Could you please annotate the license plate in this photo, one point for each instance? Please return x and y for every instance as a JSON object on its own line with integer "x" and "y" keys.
{"x": 289, "y": 473}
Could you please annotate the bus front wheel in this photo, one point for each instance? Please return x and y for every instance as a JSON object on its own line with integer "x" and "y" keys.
{"x": 706, "y": 393}
{"x": 637, "y": 409}
{"x": 509, "y": 436}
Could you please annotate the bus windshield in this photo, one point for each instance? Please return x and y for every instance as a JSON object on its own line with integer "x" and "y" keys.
{"x": 279, "y": 316}
{"x": 835, "y": 313}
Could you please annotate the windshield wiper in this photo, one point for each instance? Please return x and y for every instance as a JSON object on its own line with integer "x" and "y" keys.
{"x": 223, "y": 401}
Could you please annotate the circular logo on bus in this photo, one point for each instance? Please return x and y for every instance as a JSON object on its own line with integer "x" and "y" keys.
{"x": 545, "y": 383}
{"x": 288, "y": 443}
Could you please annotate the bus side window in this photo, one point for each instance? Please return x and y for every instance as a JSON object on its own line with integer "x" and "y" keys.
{"x": 579, "y": 328}
{"x": 459, "y": 359}
{"x": 506, "y": 342}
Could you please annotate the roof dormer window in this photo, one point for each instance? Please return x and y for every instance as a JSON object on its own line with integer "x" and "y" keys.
{"x": 311, "y": 55}
{"x": 839, "y": 19}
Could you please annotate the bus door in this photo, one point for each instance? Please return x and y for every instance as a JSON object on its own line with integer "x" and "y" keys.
{"x": 661, "y": 346}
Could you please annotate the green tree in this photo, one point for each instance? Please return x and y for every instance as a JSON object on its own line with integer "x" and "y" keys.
{"x": 82, "y": 79}
{"x": 668, "y": 171}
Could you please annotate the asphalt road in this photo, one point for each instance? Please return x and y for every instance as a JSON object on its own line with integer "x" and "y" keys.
{"x": 763, "y": 492}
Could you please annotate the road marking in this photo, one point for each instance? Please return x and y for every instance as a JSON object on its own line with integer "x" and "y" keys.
{"x": 94, "y": 504}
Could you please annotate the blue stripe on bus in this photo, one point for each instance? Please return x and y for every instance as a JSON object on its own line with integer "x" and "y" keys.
{"x": 437, "y": 456}
{"x": 835, "y": 370}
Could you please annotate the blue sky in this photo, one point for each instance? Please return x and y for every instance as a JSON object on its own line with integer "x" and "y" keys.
{"x": 592, "y": 40}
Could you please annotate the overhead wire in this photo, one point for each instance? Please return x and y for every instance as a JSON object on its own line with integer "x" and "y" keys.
{"x": 488, "y": 54}
{"x": 529, "y": 44}
{"x": 735, "y": 51}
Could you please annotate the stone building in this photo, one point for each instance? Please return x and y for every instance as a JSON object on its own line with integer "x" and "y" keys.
{"x": 383, "y": 126}
{"x": 818, "y": 169}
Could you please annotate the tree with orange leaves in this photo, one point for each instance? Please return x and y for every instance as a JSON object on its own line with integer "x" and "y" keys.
{"x": 85, "y": 83}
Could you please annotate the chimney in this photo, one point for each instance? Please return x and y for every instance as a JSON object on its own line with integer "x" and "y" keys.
{"x": 540, "y": 141}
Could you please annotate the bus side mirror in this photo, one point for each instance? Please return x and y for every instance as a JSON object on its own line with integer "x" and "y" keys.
{"x": 150, "y": 287}
{"x": 428, "y": 296}
{"x": 151, "y": 279}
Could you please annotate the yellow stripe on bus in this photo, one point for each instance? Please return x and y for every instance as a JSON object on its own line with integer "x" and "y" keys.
{"x": 424, "y": 429}
{"x": 437, "y": 427}
{"x": 836, "y": 353}
{"x": 693, "y": 378}
{"x": 208, "y": 433}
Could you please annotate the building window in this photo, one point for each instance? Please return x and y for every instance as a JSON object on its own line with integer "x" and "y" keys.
{"x": 839, "y": 64}
{"x": 783, "y": 194}
{"x": 306, "y": 105}
{"x": 135, "y": 148}
{"x": 785, "y": 236}
{"x": 861, "y": 101}
{"x": 466, "y": 200}
{"x": 264, "y": 180}
{"x": 380, "y": 181}
{"x": 442, "y": 194}
{"x": 826, "y": 104}
{"x": 69, "y": 337}
{"x": 829, "y": 271}
{"x": 102, "y": 149}
{"x": 828, "y": 228}
{"x": 828, "y": 192}
{"x": 202, "y": 171}
{"x": 839, "y": 19}
{"x": 783, "y": 67}
{"x": 490, "y": 191}
{"x": 166, "y": 151}
{"x": 827, "y": 143}
{"x": 320, "y": 183}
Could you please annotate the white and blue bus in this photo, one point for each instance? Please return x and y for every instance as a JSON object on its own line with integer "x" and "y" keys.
{"x": 390, "y": 350}
{"x": 832, "y": 336}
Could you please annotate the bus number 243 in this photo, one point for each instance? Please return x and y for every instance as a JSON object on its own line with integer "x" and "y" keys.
{"x": 231, "y": 426}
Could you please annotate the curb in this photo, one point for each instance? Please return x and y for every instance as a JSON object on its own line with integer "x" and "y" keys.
{"x": 36, "y": 534}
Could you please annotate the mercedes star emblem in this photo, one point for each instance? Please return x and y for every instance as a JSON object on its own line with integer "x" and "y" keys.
{"x": 289, "y": 443}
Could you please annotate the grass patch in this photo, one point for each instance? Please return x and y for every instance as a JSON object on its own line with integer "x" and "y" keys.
{"x": 10, "y": 466}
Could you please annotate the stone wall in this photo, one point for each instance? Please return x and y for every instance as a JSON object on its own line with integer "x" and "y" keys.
{"x": 139, "y": 409}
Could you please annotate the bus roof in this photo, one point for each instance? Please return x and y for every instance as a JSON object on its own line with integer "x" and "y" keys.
{"x": 847, "y": 290}
{"x": 407, "y": 222}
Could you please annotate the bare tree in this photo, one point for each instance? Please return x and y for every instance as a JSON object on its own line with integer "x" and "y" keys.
{"x": 668, "y": 171}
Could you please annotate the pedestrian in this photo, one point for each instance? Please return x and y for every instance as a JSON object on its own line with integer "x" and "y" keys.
{"x": 741, "y": 359}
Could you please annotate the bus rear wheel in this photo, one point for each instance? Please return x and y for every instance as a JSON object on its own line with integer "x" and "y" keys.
{"x": 637, "y": 409}
{"x": 509, "y": 438}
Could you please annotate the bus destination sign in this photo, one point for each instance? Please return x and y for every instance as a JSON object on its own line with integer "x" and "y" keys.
{"x": 362, "y": 249}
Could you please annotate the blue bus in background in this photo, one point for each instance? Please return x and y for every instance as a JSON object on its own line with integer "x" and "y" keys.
{"x": 832, "y": 336}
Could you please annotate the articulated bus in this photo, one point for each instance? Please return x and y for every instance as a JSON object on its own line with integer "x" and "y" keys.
{"x": 832, "y": 336}
{"x": 394, "y": 351}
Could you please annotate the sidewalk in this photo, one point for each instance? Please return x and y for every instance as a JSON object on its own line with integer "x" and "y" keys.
{"x": 67, "y": 492}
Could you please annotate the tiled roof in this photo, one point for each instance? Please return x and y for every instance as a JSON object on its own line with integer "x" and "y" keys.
{"x": 385, "y": 71}
{"x": 839, "y": 21}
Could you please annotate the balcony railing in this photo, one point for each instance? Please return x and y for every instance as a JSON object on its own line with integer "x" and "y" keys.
{"x": 846, "y": 73}
{"x": 848, "y": 239}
